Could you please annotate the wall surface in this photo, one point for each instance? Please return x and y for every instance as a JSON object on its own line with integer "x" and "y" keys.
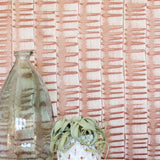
{"x": 98, "y": 58}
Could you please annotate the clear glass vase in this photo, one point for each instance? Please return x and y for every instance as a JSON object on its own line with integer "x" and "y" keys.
{"x": 25, "y": 113}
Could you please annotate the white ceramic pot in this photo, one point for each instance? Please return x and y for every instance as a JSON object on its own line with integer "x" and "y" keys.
{"x": 78, "y": 152}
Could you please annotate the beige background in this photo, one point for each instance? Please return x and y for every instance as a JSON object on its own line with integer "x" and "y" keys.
{"x": 98, "y": 58}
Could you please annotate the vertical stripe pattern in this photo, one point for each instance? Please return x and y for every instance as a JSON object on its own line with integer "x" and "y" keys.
{"x": 98, "y": 58}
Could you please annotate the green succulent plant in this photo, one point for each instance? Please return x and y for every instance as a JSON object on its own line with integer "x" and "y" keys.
{"x": 85, "y": 130}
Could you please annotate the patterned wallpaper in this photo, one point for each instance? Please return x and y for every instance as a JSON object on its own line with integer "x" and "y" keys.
{"x": 98, "y": 58}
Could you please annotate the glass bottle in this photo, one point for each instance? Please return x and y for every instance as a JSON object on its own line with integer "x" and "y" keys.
{"x": 25, "y": 113}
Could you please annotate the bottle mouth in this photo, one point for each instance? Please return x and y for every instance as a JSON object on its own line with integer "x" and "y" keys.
{"x": 23, "y": 53}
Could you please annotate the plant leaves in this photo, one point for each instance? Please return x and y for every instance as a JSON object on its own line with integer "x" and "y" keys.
{"x": 63, "y": 141}
{"x": 58, "y": 125}
{"x": 54, "y": 141}
{"x": 86, "y": 130}
{"x": 92, "y": 120}
{"x": 87, "y": 126}
{"x": 65, "y": 124}
{"x": 75, "y": 130}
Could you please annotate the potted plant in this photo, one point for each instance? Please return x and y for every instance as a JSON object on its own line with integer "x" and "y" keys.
{"x": 78, "y": 138}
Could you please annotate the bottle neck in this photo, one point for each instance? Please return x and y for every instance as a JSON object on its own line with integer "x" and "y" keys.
{"x": 23, "y": 54}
